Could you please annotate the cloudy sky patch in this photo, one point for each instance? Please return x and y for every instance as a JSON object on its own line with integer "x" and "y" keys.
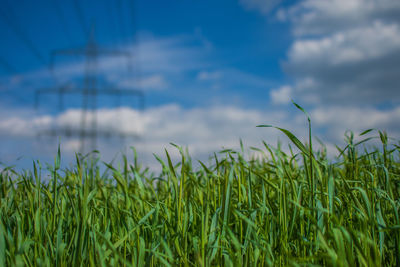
{"x": 209, "y": 75}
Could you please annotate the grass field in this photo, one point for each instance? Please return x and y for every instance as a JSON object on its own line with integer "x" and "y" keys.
{"x": 284, "y": 209}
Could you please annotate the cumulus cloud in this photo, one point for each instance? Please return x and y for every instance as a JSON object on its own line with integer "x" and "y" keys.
{"x": 203, "y": 130}
{"x": 344, "y": 64}
{"x": 344, "y": 52}
{"x": 165, "y": 123}
{"x": 329, "y": 16}
{"x": 180, "y": 64}
{"x": 354, "y": 66}
{"x": 338, "y": 119}
{"x": 358, "y": 45}
{"x": 282, "y": 95}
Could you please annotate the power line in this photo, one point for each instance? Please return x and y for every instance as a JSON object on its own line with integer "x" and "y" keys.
{"x": 81, "y": 18}
{"x": 134, "y": 41}
{"x": 12, "y": 22}
{"x": 63, "y": 23}
{"x": 121, "y": 19}
{"x": 111, "y": 18}
{"x": 133, "y": 20}
{"x": 7, "y": 66}
{"x": 24, "y": 100}
{"x": 118, "y": 20}
{"x": 11, "y": 70}
{"x": 9, "y": 89}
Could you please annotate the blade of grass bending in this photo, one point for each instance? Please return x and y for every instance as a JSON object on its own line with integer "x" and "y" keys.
{"x": 366, "y": 131}
{"x": 292, "y": 138}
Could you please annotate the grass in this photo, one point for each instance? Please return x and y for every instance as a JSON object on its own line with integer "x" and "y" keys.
{"x": 284, "y": 209}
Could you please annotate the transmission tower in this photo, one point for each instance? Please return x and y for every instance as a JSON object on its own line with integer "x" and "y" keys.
{"x": 88, "y": 127}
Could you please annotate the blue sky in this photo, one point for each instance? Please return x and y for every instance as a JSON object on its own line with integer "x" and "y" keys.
{"x": 210, "y": 70}
{"x": 223, "y": 35}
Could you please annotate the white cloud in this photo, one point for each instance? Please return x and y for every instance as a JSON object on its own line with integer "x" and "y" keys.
{"x": 355, "y": 118}
{"x": 282, "y": 95}
{"x": 346, "y": 47}
{"x": 263, "y": 6}
{"x": 152, "y": 60}
{"x": 338, "y": 119}
{"x": 330, "y": 16}
{"x": 208, "y": 75}
{"x": 22, "y": 124}
{"x": 204, "y": 130}
{"x": 231, "y": 78}
{"x": 170, "y": 55}
{"x": 179, "y": 67}
{"x": 358, "y": 66}
{"x": 153, "y": 82}
{"x": 345, "y": 52}
{"x": 344, "y": 61}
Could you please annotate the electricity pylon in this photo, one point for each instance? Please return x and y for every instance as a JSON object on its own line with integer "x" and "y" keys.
{"x": 89, "y": 91}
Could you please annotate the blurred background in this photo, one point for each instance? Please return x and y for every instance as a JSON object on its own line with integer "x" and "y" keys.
{"x": 111, "y": 74}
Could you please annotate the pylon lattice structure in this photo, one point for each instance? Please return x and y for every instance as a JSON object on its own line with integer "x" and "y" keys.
{"x": 88, "y": 126}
